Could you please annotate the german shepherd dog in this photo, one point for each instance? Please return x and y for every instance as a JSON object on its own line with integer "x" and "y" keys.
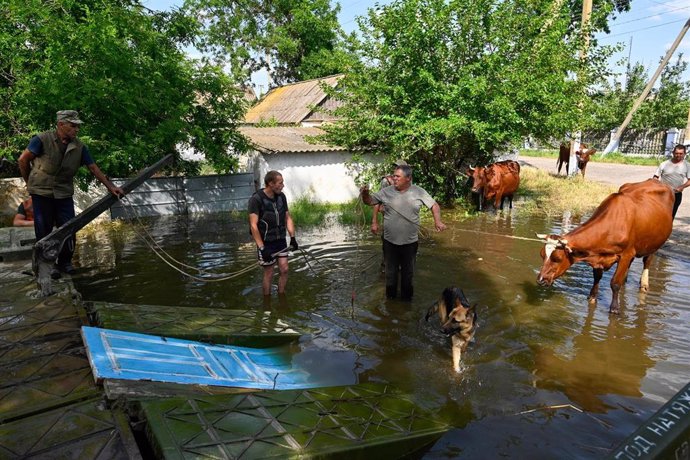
{"x": 458, "y": 320}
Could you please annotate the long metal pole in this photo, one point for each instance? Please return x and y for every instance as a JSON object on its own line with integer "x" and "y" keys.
{"x": 575, "y": 142}
{"x": 613, "y": 144}
{"x": 46, "y": 250}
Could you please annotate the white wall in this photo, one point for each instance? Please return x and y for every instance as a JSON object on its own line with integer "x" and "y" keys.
{"x": 320, "y": 176}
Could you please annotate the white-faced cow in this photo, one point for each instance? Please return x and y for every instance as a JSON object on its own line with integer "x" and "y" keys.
{"x": 497, "y": 181}
{"x": 634, "y": 222}
{"x": 583, "y": 156}
{"x": 564, "y": 157}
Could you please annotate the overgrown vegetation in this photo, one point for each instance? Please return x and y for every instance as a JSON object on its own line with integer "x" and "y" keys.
{"x": 543, "y": 193}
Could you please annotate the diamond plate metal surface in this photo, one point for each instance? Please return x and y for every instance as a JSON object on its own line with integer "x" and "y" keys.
{"x": 359, "y": 421}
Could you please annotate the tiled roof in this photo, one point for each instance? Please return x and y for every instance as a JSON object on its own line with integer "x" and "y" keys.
{"x": 285, "y": 139}
{"x": 291, "y": 104}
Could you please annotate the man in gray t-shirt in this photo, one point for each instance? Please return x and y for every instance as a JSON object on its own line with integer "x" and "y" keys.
{"x": 676, "y": 174}
{"x": 401, "y": 227}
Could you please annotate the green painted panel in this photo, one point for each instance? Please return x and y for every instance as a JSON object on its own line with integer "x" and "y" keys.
{"x": 247, "y": 328}
{"x": 39, "y": 376}
{"x": 86, "y": 430}
{"x": 358, "y": 421}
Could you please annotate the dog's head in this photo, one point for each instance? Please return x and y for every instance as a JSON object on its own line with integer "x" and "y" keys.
{"x": 461, "y": 320}
{"x": 450, "y": 298}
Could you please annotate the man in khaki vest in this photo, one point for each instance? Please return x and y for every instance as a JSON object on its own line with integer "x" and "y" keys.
{"x": 48, "y": 166}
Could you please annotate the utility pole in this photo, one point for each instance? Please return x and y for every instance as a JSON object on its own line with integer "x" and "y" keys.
{"x": 615, "y": 140}
{"x": 575, "y": 142}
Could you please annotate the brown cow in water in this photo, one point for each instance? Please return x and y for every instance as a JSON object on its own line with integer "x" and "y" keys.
{"x": 634, "y": 222}
{"x": 582, "y": 155}
{"x": 497, "y": 181}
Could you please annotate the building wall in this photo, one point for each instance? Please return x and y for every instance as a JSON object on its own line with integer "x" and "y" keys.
{"x": 318, "y": 176}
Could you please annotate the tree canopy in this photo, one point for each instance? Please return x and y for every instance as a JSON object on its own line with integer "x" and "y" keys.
{"x": 292, "y": 40}
{"x": 444, "y": 83}
{"x": 665, "y": 107}
{"x": 119, "y": 65}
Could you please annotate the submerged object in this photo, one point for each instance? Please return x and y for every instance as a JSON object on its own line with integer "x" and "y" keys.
{"x": 130, "y": 356}
{"x": 356, "y": 421}
{"x": 245, "y": 328}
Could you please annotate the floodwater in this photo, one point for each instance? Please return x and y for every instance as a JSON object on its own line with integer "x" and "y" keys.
{"x": 548, "y": 376}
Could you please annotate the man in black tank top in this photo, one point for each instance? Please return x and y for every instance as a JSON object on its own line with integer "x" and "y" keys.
{"x": 269, "y": 219}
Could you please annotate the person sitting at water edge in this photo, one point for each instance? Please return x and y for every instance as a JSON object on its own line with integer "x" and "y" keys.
{"x": 25, "y": 214}
{"x": 269, "y": 219}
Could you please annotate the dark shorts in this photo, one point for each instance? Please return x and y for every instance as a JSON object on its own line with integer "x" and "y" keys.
{"x": 278, "y": 247}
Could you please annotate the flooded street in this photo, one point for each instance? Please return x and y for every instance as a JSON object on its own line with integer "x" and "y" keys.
{"x": 548, "y": 376}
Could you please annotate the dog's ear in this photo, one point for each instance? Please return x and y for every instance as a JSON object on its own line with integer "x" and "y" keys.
{"x": 463, "y": 300}
{"x": 473, "y": 311}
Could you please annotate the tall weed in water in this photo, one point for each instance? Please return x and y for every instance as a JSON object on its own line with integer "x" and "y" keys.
{"x": 307, "y": 212}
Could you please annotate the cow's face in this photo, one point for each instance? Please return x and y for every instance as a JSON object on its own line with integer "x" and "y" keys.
{"x": 478, "y": 175}
{"x": 557, "y": 258}
{"x": 584, "y": 154}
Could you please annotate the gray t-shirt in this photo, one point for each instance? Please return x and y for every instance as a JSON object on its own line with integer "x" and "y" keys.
{"x": 401, "y": 212}
{"x": 673, "y": 174}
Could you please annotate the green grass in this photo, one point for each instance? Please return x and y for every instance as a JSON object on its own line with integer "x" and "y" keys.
{"x": 550, "y": 195}
{"x": 614, "y": 157}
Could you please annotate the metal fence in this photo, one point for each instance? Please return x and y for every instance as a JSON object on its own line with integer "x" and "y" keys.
{"x": 635, "y": 142}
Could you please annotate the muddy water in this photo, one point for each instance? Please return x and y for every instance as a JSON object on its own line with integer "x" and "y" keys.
{"x": 547, "y": 377}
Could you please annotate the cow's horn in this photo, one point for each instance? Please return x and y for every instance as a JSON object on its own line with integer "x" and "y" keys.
{"x": 471, "y": 168}
{"x": 542, "y": 236}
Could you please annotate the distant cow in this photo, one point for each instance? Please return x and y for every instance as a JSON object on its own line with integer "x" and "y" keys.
{"x": 634, "y": 222}
{"x": 497, "y": 181}
{"x": 582, "y": 154}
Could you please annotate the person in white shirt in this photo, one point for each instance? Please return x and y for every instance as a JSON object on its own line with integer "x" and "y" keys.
{"x": 676, "y": 174}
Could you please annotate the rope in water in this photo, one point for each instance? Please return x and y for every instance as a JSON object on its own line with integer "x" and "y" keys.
{"x": 158, "y": 251}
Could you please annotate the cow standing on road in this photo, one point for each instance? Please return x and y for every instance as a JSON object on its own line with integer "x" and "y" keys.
{"x": 582, "y": 155}
{"x": 634, "y": 222}
{"x": 497, "y": 181}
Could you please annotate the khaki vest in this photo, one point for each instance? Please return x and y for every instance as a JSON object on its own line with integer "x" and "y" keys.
{"x": 52, "y": 173}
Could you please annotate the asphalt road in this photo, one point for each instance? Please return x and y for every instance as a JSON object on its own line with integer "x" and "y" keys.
{"x": 618, "y": 175}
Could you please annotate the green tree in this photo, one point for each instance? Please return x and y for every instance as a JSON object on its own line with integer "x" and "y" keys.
{"x": 120, "y": 65}
{"x": 292, "y": 39}
{"x": 612, "y": 100}
{"x": 444, "y": 83}
{"x": 665, "y": 107}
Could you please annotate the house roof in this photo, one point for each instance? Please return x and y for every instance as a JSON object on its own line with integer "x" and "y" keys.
{"x": 291, "y": 104}
{"x": 284, "y": 139}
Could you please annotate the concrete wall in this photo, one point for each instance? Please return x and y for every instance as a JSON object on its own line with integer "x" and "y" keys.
{"x": 186, "y": 195}
{"x": 319, "y": 176}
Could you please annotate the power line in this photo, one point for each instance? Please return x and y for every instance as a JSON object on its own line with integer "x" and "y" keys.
{"x": 640, "y": 30}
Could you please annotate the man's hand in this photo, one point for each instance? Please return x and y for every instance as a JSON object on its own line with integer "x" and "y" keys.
{"x": 375, "y": 227}
{"x": 293, "y": 243}
{"x": 117, "y": 191}
{"x": 440, "y": 226}
{"x": 266, "y": 255}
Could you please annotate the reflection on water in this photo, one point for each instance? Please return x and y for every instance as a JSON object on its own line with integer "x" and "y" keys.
{"x": 536, "y": 351}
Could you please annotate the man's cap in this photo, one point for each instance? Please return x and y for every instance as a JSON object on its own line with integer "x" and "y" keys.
{"x": 400, "y": 162}
{"x": 70, "y": 116}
